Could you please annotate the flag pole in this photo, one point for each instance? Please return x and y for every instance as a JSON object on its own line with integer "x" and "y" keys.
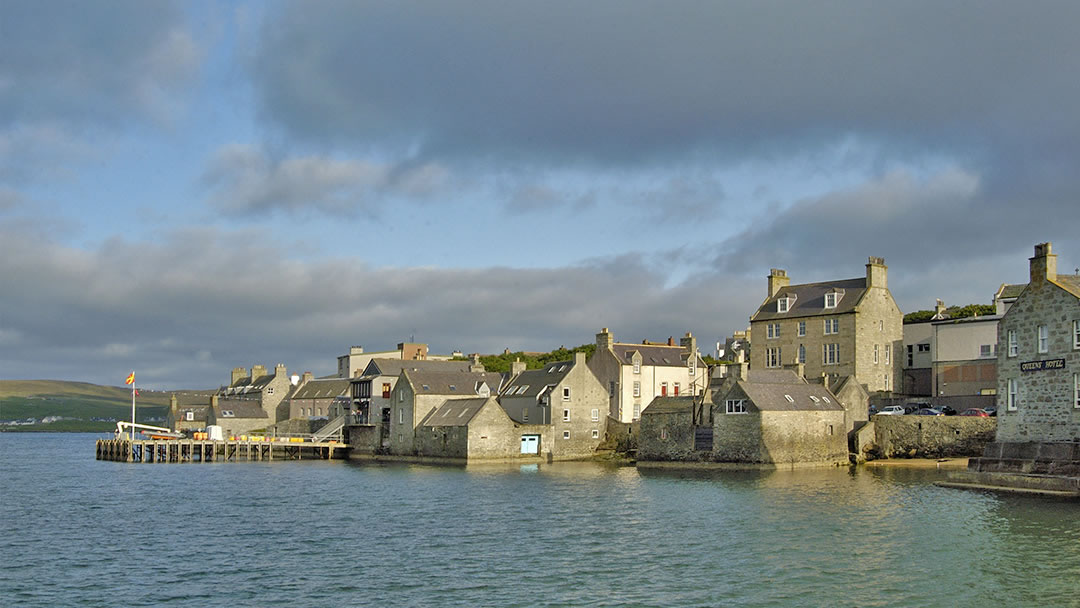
{"x": 133, "y": 406}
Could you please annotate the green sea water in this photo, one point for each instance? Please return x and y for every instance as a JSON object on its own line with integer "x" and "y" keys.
{"x": 75, "y": 531}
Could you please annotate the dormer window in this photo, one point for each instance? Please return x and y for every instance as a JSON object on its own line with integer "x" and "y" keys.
{"x": 832, "y": 297}
{"x": 785, "y": 303}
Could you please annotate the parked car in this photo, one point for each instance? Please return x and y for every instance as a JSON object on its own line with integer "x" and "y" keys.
{"x": 975, "y": 411}
{"x": 948, "y": 411}
{"x": 928, "y": 411}
{"x": 990, "y": 410}
{"x": 892, "y": 410}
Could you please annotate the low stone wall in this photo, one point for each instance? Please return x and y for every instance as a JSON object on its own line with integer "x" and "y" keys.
{"x": 363, "y": 439}
{"x": 1060, "y": 458}
{"x": 932, "y": 436}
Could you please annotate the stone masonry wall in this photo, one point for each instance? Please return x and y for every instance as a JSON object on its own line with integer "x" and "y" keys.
{"x": 933, "y": 436}
{"x": 667, "y": 437}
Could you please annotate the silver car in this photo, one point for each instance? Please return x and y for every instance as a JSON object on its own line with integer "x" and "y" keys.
{"x": 892, "y": 410}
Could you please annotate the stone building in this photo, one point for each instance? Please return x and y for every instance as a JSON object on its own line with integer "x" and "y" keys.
{"x": 318, "y": 398}
{"x": 417, "y": 393}
{"x": 849, "y": 327}
{"x": 257, "y": 386}
{"x": 567, "y": 398}
{"x": 635, "y": 374}
{"x": 667, "y": 431}
{"x": 777, "y": 418}
{"x": 352, "y": 363}
{"x": 236, "y": 417}
{"x": 372, "y": 389}
{"x": 186, "y": 417}
{"x": 1038, "y": 357}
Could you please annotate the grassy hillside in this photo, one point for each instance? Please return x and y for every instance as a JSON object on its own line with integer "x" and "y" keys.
{"x": 56, "y": 405}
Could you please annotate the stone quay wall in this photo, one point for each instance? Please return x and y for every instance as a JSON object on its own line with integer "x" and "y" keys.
{"x": 932, "y": 436}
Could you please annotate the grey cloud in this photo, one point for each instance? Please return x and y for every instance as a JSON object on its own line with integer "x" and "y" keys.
{"x": 245, "y": 179}
{"x": 613, "y": 81}
{"x": 79, "y": 63}
{"x": 162, "y": 305}
{"x": 9, "y": 199}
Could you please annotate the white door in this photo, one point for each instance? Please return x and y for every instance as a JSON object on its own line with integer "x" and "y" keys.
{"x": 530, "y": 444}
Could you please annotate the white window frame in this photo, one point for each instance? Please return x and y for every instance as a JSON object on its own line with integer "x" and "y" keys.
{"x": 1076, "y": 390}
{"x": 637, "y": 411}
{"x": 691, "y": 364}
{"x": 772, "y": 331}
{"x": 830, "y": 354}
{"x": 566, "y": 393}
{"x": 832, "y": 326}
{"x": 1076, "y": 334}
{"x": 595, "y": 434}
{"x": 831, "y": 299}
{"x": 566, "y": 434}
{"x": 595, "y": 414}
{"x": 1010, "y": 337}
{"x": 802, "y": 329}
{"x": 637, "y": 388}
{"x": 802, "y": 353}
{"x": 735, "y": 406}
{"x": 1042, "y": 335}
{"x": 566, "y": 415}
{"x": 986, "y": 350}
{"x": 875, "y": 354}
{"x": 1011, "y": 395}
{"x": 401, "y": 415}
{"x": 782, "y": 305}
{"x": 675, "y": 387}
{"x": 888, "y": 354}
{"x": 772, "y": 357}
{"x": 637, "y": 367}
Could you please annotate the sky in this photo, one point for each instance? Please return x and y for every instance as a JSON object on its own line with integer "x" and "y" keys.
{"x": 190, "y": 187}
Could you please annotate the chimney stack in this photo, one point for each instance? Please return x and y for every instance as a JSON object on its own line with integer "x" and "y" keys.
{"x": 877, "y": 273}
{"x": 1043, "y": 264}
{"x": 689, "y": 343}
{"x": 517, "y": 367}
{"x": 238, "y": 374}
{"x": 257, "y": 371}
{"x": 778, "y": 280}
{"x": 579, "y": 358}
{"x": 604, "y": 339}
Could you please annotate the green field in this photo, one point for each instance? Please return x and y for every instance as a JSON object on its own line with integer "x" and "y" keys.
{"x": 83, "y": 407}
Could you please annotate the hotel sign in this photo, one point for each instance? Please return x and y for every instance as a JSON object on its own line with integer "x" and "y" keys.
{"x": 1039, "y": 366}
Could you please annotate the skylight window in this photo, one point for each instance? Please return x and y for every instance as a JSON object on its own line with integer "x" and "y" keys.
{"x": 813, "y": 398}
{"x": 453, "y": 388}
{"x": 789, "y": 398}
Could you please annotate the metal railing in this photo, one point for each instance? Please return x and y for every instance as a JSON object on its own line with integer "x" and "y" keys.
{"x": 332, "y": 430}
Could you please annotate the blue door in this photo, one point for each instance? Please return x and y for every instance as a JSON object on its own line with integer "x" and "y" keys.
{"x": 530, "y": 444}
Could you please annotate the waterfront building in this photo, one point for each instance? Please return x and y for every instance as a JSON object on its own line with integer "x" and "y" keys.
{"x": 635, "y": 374}
{"x": 356, "y": 360}
{"x": 372, "y": 390}
{"x": 564, "y": 398}
{"x": 237, "y": 417}
{"x": 1038, "y": 358}
{"x": 418, "y": 392}
{"x": 258, "y": 386}
{"x": 848, "y": 327}
{"x": 187, "y": 416}
{"x": 318, "y": 398}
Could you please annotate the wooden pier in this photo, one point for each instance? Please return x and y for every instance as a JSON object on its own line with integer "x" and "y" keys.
{"x": 232, "y": 450}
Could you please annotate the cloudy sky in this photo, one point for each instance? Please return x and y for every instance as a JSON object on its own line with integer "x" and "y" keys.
{"x": 189, "y": 187}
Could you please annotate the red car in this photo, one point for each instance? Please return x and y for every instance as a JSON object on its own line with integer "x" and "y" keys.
{"x": 974, "y": 411}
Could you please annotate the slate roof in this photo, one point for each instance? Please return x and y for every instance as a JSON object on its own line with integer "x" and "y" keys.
{"x": 322, "y": 389}
{"x": 455, "y": 412}
{"x": 199, "y": 412}
{"x": 535, "y": 381}
{"x": 451, "y": 383}
{"x": 1009, "y": 291}
{"x": 246, "y": 385}
{"x": 803, "y": 397}
{"x": 669, "y": 405}
{"x": 651, "y": 354}
{"x": 393, "y": 367}
{"x": 1070, "y": 283}
{"x": 810, "y": 300}
{"x": 239, "y": 409}
{"x": 774, "y": 376}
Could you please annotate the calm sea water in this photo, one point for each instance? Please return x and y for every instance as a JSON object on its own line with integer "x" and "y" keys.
{"x": 76, "y": 531}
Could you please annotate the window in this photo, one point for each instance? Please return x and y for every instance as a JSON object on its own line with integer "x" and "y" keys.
{"x": 1076, "y": 334}
{"x": 888, "y": 353}
{"x": 269, "y": 390}
{"x": 830, "y": 299}
{"x": 691, "y": 363}
{"x": 910, "y": 355}
{"x": 736, "y": 406}
{"x": 401, "y": 415}
{"x": 566, "y": 393}
{"x": 802, "y": 328}
{"x": 566, "y": 415}
{"x": 832, "y": 326}
{"x": 782, "y": 305}
{"x": 595, "y": 414}
{"x": 924, "y": 348}
{"x": 189, "y": 416}
{"x": 789, "y": 398}
{"x": 875, "y": 354}
{"x": 637, "y": 411}
{"x": 611, "y": 388}
{"x": 772, "y": 330}
{"x": 1076, "y": 390}
{"x": 881, "y": 325}
{"x": 1012, "y": 343}
{"x": 663, "y": 389}
{"x": 637, "y": 367}
{"x": 566, "y": 434}
{"x": 663, "y": 433}
{"x": 385, "y": 390}
{"x": 524, "y": 414}
{"x": 1044, "y": 339}
{"x": 1010, "y": 403}
{"x": 802, "y": 353}
{"x": 830, "y": 354}
{"x": 595, "y": 434}
{"x": 401, "y": 395}
{"x": 676, "y": 387}
{"x": 887, "y": 381}
{"x": 772, "y": 357}
{"x": 985, "y": 350}
{"x": 637, "y": 388}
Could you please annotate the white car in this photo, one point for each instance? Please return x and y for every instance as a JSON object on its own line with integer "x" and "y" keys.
{"x": 892, "y": 410}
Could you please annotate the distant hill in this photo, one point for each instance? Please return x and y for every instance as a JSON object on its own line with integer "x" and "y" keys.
{"x": 58, "y": 405}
